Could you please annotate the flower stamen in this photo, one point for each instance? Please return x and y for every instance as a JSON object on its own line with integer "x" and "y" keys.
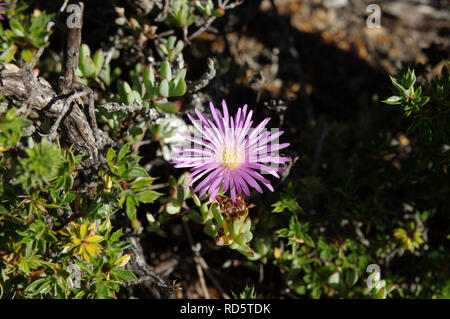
{"x": 230, "y": 157}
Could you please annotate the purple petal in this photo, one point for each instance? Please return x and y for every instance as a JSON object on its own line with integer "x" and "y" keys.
{"x": 208, "y": 180}
{"x": 243, "y": 184}
{"x": 260, "y": 178}
{"x": 251, "y": 181}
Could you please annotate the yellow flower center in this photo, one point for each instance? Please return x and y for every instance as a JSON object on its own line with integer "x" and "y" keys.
{"x": 230, "y": 157}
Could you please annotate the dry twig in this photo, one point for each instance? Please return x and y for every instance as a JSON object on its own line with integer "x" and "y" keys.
{"x": 201, "y": 265}
{"x": 196, "y": 251}
{"x": 138, "y": 252}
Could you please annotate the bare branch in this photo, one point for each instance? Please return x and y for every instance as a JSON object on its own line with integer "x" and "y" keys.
{"x": 67, "y": 103}
{"x": 150, "y": 112}
{"x": 123, "y": 108}
{"x": 71, "y": 55}
{"x": 204, "y": 79}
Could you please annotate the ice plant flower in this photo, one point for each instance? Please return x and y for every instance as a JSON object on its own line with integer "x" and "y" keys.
{"x": 229, "y": 153}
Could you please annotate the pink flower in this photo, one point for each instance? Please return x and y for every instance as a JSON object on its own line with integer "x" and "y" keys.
{"x": 230, "y": 153}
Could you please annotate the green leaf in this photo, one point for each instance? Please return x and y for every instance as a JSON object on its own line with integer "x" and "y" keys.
{"x": 84, "y": 51}
{"x": 390, "y": 288}
{"x": 308, "y": 240}
{"x": 171, "y": 41}
{"x": 178, "y": 89}
{"x": 245, "y": 250}
{"x": 195, "y": 217}
{"x": 148, "y": 196}
{"x": 166, "y": 70}
{"x": 124, "y": 275}
{"x": 172, "y": 209}
{"x": 131, "y": 208}
{"x": 211, "y": 230}
{"x": 34, "y": 286}
{"x": 123, "y": 151}
{"x": 287, "y": 203}
{"x": 124, "y": 88}
{"x": 179, "y": 47}
{"x": 180, "y": 75}
{"x": 418, "y": 92}
{"x": 116, "y": 235}
{"x": 398, "y": 87}
{"x": 182, "y": 193}
{"x": 379, "y": 293}
{"x": 99, "y": 59}
{"x": 168, "y": 107}
{"x": 151, "y": 219}
{"x": 215, "y": 209}
{"x": 409, "y": 79}
{"x": 9, "y": 53}
{"x": 164, "y": 88}
{"x": 204, "y": 210}
{"x": 88, "y": 67}
{"x": 163, "y": 49}
{"x": 248, "y": 236}
{"x": 424, "y": 100}
{"x": 110, "y": 154}
{"x": 133, "y": 96}
{"x": 394, "y": 100}
{"x": 195, "y": 197}
{"x": 86, "y": 64}
{"x": 238, "y": 226}
{"x": 148, "y": 77}
{"x": 27, "y": 55}
{"x": 142, "y": 183}
{"x": 139, "y": 172}
{"x": 351, "y": 277}
{"x": 17, "y": 28}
